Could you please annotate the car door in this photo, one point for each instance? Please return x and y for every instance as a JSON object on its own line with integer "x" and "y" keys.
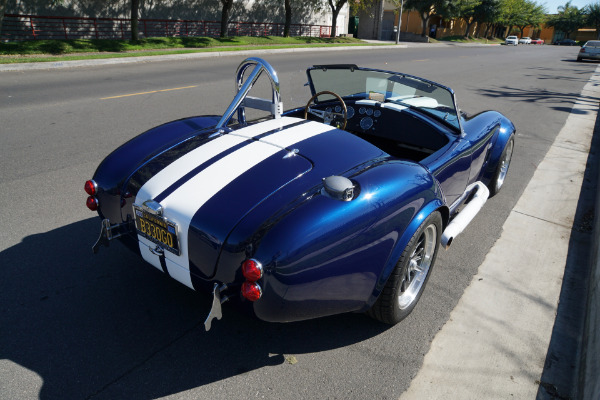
{"x": 452, "y": 168}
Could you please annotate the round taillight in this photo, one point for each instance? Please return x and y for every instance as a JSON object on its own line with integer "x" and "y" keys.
{"x": 251, "y": 291}
{"x": 92, "y": 203}
{"x": 252, "y": 270}
{"x": 91, "y": 187}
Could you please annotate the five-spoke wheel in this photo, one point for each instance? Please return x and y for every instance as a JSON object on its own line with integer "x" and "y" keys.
{"x": 407, "y": 282}
{"x": 502, "y": 169}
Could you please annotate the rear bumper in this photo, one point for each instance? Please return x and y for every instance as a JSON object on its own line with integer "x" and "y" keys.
{"x": 587, "y": 56}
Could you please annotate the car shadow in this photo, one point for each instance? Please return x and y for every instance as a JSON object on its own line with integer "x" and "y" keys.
{"x": 102, "y": 325}
{"x": 582, "y": 62}
{"x": 558, "y": 101}
{"x": 563, "y": 366}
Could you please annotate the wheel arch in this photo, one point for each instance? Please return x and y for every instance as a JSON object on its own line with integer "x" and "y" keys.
{"x": 505, "y": 132}
{"x": 434, "y": 205}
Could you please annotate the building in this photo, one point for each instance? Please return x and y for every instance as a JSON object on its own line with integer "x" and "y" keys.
{"x": 309, "y": 12}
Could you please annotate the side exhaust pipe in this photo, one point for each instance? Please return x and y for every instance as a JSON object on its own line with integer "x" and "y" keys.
{"x": 480, "y": 194}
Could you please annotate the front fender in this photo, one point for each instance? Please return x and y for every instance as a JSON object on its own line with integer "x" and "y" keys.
{"x": 506, "y": 130}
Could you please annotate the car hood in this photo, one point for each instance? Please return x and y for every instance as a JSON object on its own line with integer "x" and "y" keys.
{"x": 208, "y": 190}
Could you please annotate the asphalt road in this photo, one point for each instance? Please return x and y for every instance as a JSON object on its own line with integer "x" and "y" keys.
{"x": 74, "y": 325}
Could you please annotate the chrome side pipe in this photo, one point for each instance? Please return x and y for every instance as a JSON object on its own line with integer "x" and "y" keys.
{"x": 480, "y": 194}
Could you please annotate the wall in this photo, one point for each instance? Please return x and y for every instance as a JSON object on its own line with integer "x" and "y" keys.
{"x": 369, "y": 22}
{"x": 411, "y": 22}
{"x": 303, "y": 11}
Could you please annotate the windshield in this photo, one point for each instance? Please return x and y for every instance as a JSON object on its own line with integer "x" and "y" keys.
{"x": 389, "y": 87}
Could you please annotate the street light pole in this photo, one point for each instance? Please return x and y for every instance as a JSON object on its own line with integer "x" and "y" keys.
{"x": 399, "y": 22}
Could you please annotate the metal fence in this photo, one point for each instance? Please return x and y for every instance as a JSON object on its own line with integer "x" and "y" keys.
{"x": 31, "y": 27}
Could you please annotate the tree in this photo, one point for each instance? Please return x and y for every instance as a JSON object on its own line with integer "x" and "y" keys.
{"x": 466, "y": 10}
{"x": 2, "y": 11}
{"x": 135, "y": 11}
{"x": 568, "y": 19}
{"x": 3, "y": 8}
{"x": 427, "y": 8}
{"x": 487, "y": 12}
{"x": 423, "y": 7}
{"x": 335, "y": 10}
{"x": 532, "y": 14}
{"x": 592, "y": 17}
{"x": 511, "y": 14}
{"x": 288, "y": 18}
{"x": 227, "y": 4}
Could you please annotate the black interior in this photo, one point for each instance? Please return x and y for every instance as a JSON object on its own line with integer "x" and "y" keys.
{"x": 404, "y": 134}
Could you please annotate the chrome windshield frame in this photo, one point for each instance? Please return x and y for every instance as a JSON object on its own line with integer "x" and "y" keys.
{"x": 459, "y": 129}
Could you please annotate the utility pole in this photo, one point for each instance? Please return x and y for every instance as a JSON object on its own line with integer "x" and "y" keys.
{"x": 399, "y": 22}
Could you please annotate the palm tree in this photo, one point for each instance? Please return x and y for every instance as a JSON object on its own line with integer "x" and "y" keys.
{"x": 593, "y": 17}
{"x": 569, "y": 19}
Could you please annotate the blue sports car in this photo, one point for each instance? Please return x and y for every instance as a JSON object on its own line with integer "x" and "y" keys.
{"x": 338, "y": 206}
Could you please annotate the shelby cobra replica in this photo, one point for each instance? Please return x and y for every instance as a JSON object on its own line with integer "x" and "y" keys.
{"x": 335, "y": 207}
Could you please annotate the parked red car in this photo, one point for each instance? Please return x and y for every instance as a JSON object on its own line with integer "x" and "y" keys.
{"x": 537, "y": 41}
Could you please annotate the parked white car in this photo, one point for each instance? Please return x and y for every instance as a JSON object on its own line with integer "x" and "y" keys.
{"x": 512, "y": 40}
{"x": 525, "y": 40}
{"x": 590, "y": 50}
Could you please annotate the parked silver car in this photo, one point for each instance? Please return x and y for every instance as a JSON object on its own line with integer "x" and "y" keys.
{"x": 512, "y": 40}
{"x": 590, "y": 50}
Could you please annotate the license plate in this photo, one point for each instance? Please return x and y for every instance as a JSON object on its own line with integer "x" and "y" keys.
{"x": 157, "y": 229}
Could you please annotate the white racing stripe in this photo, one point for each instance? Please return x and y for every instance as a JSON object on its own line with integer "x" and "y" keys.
{"x": 176, "y": 271}
{"x": 181, "y": 205}
{"x": 177, "y": 169}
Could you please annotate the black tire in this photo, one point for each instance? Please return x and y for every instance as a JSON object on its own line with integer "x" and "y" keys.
{"x": 407, "y": 282}
{"x": 579, "y": 58}
{"x": 497, "y": 180}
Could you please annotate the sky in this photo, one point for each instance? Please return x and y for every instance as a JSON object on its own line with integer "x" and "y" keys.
{"x": 552, "y": 5}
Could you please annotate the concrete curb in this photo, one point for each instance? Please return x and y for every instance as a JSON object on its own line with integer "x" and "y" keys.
{"x": 590, "y": 365}
{"x": 188, "y": 56}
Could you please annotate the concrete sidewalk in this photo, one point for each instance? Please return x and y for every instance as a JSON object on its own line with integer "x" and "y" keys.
{"x": 496, "y": 341}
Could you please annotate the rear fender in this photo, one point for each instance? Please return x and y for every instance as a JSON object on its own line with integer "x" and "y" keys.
{"x": 114, "y": 171}
{"x": 325, "y": 256}
{"x": 435, "y": 204}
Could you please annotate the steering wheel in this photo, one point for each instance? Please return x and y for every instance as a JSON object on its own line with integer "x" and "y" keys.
{"x": 337, "y": 119}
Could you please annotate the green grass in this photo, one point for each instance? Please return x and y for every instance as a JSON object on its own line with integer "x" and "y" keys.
{"x": 470, "y": 39}
{"x": 61, "y": 50}
{"x": 71, "y": 57}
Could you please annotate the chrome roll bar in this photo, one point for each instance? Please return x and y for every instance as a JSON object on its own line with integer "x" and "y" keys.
{"x": 242, "y": 100}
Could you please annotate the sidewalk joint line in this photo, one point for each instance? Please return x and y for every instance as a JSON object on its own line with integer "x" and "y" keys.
{"x": 542, "y": 219}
